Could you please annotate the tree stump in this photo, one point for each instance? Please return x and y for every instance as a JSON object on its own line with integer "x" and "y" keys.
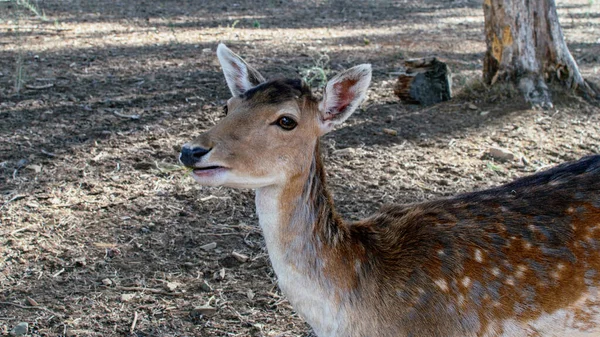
{"x": 424, "y": 81}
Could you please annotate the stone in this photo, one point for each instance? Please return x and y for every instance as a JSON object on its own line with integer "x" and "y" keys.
{"x": 500, "y": 154}
{"x": 20, "y": 329}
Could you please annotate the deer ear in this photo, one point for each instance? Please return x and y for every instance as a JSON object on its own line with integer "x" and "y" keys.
{"x": 342, "y": 96}
{"x": 239, "y": 75}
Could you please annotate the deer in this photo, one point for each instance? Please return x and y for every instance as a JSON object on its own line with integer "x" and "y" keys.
{"x": 522, "y": 259}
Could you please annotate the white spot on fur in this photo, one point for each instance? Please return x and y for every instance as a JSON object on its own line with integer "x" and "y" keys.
{"x": 478, "y": 255}
{"x": 442, "y": 284}
{"x": 466, "y": 282}
{"x": 521, "y": 269}
{"x": 461, "y": 300}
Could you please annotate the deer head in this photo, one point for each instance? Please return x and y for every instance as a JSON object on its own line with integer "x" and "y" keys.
{"x": 271, "y": 127}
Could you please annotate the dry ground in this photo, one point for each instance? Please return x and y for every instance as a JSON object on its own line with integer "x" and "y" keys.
{"x": 99, "y": 228}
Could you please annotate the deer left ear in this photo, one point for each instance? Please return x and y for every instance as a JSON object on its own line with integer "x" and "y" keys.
{"x": 342, "y": 96}
{"x": 239, "y": 75}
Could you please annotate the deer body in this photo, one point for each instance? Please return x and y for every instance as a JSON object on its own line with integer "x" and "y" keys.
{"x": 522, "y": 259}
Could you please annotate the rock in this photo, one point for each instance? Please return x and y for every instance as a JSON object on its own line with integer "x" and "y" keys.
{"x": 35, "y": 168}
{"x": 220, "y": 275}
{"x": 240, "y": 257}
{"x": 107, "y": 282}
{"x": 209, "y": 246}
{"x": 20, "y": 329}
{"x": 500, "y": 154}
{"x": 472, "y": 106}
{"x": 171, "y": 286}
{"x": 484, "y": 113}
{"x": 205, "y": 286}
{"x": 127, "y": 297}
{"x": 80, "y": 261}
{"x": 390, "y": 132}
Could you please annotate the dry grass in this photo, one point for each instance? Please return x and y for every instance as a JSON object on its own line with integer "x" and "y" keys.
{"x": 100, "y": 229}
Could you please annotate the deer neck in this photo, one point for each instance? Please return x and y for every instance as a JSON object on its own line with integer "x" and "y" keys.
{"x": 307, "y": 240}
{"x": 299, "y": 218}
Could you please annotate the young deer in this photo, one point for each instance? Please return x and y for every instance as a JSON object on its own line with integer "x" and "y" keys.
{"x": 522, "y": 259}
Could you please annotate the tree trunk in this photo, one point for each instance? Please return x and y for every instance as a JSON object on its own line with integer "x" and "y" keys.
{"x": 525, "y": 44}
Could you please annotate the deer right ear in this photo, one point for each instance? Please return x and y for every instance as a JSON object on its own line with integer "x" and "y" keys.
{"x": 239, "y": 75}
{"x": 342, "y": 96}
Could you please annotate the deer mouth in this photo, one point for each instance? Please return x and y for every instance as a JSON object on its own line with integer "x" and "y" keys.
{"x": 207, "y": 170}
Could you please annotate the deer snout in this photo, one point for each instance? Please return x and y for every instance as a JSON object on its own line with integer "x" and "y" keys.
{"x": 190, "y": 155}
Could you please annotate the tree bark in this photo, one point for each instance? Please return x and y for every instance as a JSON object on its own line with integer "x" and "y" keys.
{"x": 525, "y": 44}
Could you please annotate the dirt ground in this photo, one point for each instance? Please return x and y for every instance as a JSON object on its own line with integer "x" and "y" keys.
{"x": 102, "y": 235}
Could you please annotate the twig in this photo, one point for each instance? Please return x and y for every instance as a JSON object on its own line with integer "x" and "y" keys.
{"x": 221, "y": 234}
{"x": 126, "y": 116}
{"x": 49, "y": 154}
{"x": 34, "y": 308}
{"x": 21, "y": 229}
{"x": 16, "y": 197}
{"x": 135, "y": 318}
{"x": 214, "y": 197}
{"x": 58, "y": 273}
{"x": 39, "y": 87}
{"x": 149, "y": 290}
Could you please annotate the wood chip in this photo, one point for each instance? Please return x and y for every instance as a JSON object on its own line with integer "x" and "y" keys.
{"x": 209, "y": 246}
{"x": 390, "y": 132}
{"x": 204, "y": 310}
{"x": 240, "y": 257}
{"x": 32, "y": 302}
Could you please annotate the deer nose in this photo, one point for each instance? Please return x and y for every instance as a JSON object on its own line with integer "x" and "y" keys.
{"x": 191, "y": 155}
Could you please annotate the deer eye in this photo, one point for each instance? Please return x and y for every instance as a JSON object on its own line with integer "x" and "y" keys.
{"x": 286, "y": 123}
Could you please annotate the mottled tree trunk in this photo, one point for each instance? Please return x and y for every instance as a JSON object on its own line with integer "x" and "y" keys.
{"x": 525, "y": 44}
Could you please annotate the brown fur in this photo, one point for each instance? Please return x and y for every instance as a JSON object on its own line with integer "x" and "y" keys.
{"x": 453, "y": 267}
